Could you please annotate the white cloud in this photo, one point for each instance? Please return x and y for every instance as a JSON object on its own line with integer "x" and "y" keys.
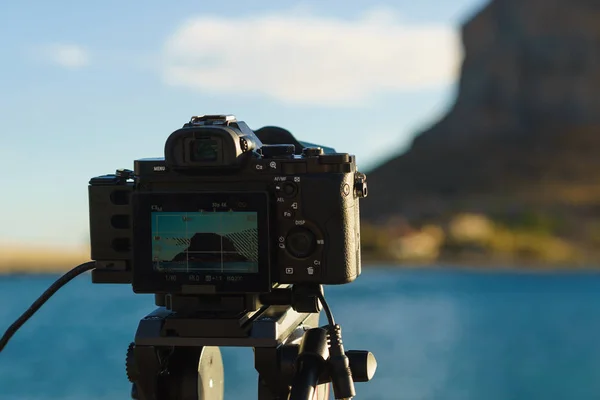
{"x": 306, "y": 59}
{"x": 67, "y": 55}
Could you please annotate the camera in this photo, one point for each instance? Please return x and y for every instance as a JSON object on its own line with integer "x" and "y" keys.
{"x": 235, "y": 232}
{"x": 228, "y": 210}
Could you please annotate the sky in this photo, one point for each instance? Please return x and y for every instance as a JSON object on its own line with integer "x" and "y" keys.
{"x": 87, "y": 87}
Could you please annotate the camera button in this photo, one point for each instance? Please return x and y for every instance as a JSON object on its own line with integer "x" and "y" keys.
{"x": 267, "y": 167}
{"x": 289, "y": 214}
{"x": 287, "y": 189}
{"x": 312, "y": 151}
{"x": 278, "y": 150}
{"x": 313, "y": 271}
{"x": 335, "y": 158}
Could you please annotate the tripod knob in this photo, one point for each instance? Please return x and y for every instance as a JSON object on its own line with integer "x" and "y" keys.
{"x": 363, "y": 365}
{"x": 130, "y": 366}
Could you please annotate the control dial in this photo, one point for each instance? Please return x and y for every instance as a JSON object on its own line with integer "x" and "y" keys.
{"x": 301, "y": 242}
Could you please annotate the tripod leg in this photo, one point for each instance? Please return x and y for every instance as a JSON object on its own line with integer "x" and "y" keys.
{"x": 195, "y": 373}
{"x": 322, "y": 392}
{"x": 176, "y": 373}
{"x": 271, "y": 386}
{"x": 264, "y": 391}
{"x": 211, "y": 378}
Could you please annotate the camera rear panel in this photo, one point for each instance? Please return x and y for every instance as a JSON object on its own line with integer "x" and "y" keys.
{"x": 316, "y": 226}
{"x": 307, "y": 228}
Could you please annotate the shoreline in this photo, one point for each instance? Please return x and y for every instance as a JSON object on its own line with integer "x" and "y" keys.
{"x": 19, "y": 260}
{"x": 54, "y": 268}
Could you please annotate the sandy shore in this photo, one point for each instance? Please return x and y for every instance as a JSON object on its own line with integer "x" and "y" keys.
{"x": 39, "y": 259}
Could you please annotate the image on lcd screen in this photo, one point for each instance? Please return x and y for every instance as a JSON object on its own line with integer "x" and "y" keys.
{"x": 224, "y": 242}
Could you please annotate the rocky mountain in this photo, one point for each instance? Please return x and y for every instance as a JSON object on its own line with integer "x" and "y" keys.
{"x": 524, "y": 130}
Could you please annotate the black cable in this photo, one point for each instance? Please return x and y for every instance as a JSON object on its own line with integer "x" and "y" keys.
{"x": 60, "y": 282}
{"x": 339, "y": 363}
{"x": 328, "y": 312}
{"x": 310, "y": 364}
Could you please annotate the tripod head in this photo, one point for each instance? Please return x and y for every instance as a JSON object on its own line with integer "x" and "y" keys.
{"x": 175, "y": 354}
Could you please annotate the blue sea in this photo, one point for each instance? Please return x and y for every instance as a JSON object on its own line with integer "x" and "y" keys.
{"x": 438, "y": 334}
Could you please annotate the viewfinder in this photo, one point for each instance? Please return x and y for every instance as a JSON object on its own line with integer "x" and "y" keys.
{"x": 205, "y": 149}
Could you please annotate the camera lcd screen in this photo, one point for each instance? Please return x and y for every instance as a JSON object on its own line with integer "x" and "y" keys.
{"x": 223, "y": 242}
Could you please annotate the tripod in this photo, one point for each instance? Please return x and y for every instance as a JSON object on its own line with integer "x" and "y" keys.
{"x": 176, "y": 354}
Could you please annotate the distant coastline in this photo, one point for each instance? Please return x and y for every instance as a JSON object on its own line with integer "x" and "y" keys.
{"x": 477, "y": 264}
{"x": 19, "y": 260}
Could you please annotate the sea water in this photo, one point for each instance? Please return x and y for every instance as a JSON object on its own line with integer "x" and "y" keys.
{"x": 438, "y": 334}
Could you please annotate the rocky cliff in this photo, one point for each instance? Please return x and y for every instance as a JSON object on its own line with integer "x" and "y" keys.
{"x": 525, "y": 127}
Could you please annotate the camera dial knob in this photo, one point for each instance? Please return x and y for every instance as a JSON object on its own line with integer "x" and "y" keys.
{"x": 131, "y": 369}
{"x": 124, "y": 173}
{"x": 301, "y": 242}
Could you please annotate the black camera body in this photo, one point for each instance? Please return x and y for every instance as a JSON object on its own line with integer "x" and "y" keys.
{"x": 226, "y": 212}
